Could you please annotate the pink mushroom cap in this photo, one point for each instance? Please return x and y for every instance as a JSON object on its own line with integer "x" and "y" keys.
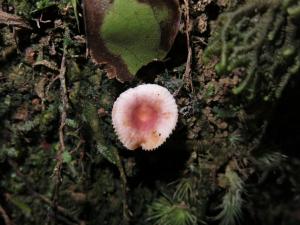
{"x": 144, "y": 116}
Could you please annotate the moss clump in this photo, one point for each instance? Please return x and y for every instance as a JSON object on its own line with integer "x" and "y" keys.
{"x": 262, "y": 39}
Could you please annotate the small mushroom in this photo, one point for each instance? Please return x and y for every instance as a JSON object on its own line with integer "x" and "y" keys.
{"x": 144, "y": 116}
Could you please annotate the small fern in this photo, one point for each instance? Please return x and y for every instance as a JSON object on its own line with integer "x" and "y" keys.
{"x": 166, "y": 212}
{"x": 231, "y": 206}
{"x": 270, "y": 160}
{"x": 185, "y": 190}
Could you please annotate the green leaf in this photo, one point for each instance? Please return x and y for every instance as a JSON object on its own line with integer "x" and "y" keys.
{"x": 21, "y": 205}
{"x": 74, "y": 5}
{"x": 67, "y": 158}
{"x": 44, "y": 4}
{"x": 72, "y": 123}
{"x": 128, "y": 34}
{"x": 110, "y": 154}
{"x": 8, "y": 152}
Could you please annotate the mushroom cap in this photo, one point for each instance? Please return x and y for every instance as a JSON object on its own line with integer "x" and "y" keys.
{"x": 144, "y": 116}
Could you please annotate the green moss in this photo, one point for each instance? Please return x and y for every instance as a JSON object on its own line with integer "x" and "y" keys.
{"x": 260, "y": 43}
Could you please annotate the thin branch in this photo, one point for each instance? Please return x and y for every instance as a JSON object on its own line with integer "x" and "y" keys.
{"x": 13, "y": 20}
{"x": 187, "y": 76}
{"x": 5, "y": 217}
{"x": 64, "y": 98}
{"x": 29, "y": 185}
{"x": 187, "y": 73}
{"x": 126, "y": 211}
{"x": 63, "y": 117}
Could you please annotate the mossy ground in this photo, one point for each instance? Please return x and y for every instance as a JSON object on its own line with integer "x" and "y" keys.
{"x": 231, "y": 158}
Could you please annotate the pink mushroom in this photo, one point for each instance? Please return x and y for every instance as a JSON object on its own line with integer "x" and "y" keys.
{"x": 144, "y": 116}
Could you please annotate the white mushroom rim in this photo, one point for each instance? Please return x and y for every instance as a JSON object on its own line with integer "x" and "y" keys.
{"x": 144, "y": 116}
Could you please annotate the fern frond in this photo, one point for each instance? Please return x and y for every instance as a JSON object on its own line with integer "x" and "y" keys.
{"x": 231, "y": 206}
{"x": 165, "y": 212}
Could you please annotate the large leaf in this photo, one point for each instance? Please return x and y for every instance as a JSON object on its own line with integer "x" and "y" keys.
{"x": 127, "y": 34}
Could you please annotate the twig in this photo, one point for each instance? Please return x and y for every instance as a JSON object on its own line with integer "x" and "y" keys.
{"x": 187, "y": 73}
{"x": 5, "y": 217}
{"x": 64, "y": 98}
{"x": 63, "y": 117}
{"x": 13, "y": 20}
{"x": 46, "y": 63}
{"x": 126, "y": 211}
{"x": 29, "y": 186}
{"x": 40, "y": 20}
{"x": 53, "y": 79}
